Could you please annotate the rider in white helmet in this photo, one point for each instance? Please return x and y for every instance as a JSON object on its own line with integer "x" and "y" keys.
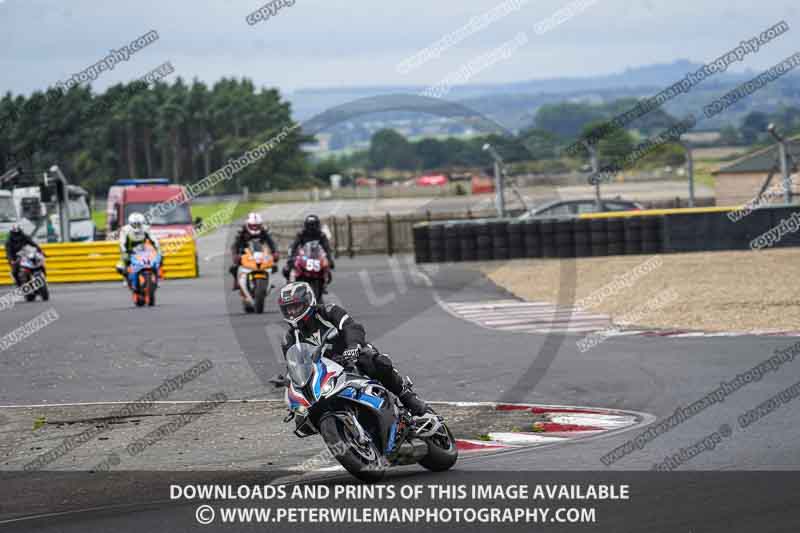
{"x": 134, "y": 233}
{"x": 253, "y": 229}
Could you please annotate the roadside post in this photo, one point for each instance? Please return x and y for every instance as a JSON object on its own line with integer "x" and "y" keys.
{"x": 782, "y": 153}
{"x": 61, "y": 200}
{"x": 499, "y": 182}
{"x": 689, "y": 169}
{"x": 595, "y": 170}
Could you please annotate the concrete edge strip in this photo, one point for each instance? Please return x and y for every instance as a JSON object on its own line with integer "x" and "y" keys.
{"x": 566, "y": 421}
{"x": 458, "y": 310}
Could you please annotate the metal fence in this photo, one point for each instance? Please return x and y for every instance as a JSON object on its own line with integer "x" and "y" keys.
{"x": 391, "y": 234}
{"x": 387, "y": 234}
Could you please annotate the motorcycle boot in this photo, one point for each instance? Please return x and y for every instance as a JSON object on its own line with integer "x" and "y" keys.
{"x": 410, "y": 400}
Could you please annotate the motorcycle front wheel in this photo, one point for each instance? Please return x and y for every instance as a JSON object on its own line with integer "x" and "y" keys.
{"x": 25, "y": 278}
{"x": 150, "y": 290}
{"x": 260, "y": 295}
{"x": 442, "y": 451}
{"x": 362, "y": 460}
{"x": 316, "y": 285}
{"x": 138, "y": 295}
{"x": 44, "y": 292}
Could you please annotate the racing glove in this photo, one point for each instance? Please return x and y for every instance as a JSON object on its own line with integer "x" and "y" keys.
{"x": 350, "y": 356}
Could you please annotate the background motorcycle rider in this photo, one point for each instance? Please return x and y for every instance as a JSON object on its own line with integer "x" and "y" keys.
{"x": 134, "y": 233}
{"x": 17, "y": 240}
{"x": 252, "y": 229}
{"x": 312, "y": 231}
{"x": 309, "y": 321}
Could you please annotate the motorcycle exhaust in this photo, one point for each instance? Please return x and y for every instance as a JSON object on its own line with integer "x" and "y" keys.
{"x": 411, "y": 452}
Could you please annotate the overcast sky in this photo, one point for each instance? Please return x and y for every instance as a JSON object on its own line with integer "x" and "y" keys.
{"x": 333, "y": 43}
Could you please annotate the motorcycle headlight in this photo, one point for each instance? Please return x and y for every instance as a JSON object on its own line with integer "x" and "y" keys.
{"x": 327, "y": 387}
{"x": 300, "y": 410}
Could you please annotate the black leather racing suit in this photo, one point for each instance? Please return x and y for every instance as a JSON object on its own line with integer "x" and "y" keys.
{"x": 351, "y": 334}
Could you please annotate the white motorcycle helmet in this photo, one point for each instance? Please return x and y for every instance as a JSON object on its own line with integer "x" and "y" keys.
{"x": 254, "y": 224}
{"x": 137, "y": 223}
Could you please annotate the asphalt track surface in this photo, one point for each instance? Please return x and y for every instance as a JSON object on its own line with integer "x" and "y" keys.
{"x": 103, "y": 349}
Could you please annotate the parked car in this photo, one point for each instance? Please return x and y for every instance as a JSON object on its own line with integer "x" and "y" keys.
{"x": 572, "y": 208}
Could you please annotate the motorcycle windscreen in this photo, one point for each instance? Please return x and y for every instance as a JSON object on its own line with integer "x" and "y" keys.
{"x": 143, "y": 255}
{"x": 257, "y": 246}
{"x": 300, "y": 360}
{"x": 313, "y": 250}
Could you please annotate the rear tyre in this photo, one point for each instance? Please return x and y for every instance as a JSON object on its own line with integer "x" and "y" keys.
{"x": 361, "y": 460}
{"x": 260, "y": 295}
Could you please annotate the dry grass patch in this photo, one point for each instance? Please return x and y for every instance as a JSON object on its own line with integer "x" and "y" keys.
{"x": 719, "y": 291}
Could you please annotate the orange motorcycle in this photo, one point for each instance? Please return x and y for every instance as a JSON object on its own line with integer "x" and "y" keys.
{"x": 253, "y": 276}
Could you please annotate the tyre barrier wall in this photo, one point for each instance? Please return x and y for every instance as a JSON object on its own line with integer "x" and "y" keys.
{"x": 633, "y": 232}
{"x": 96, "y": 261}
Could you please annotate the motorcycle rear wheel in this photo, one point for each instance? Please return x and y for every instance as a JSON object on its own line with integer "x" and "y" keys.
{"x": 362, "y": 460}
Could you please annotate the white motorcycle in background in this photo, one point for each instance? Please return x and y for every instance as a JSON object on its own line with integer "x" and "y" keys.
{"x": 32, "y": 273}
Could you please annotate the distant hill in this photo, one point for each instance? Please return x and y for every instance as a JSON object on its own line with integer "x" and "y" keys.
{"x": 514, "y": 105}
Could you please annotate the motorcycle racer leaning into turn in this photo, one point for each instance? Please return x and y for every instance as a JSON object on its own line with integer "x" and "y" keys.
{"x": 308, "y": 321}
{"x": 134, "y": 233}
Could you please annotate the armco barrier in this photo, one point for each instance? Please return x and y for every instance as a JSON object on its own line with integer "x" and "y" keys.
{"x": 95, "y": 261}
{"x": 602, "y": 234}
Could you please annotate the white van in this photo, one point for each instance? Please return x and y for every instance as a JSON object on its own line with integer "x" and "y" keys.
{"x": 81, "y": 225}
{"x": 8, "y": 214}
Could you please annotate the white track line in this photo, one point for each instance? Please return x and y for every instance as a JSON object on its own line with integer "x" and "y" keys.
{"x": 528, "y": 317}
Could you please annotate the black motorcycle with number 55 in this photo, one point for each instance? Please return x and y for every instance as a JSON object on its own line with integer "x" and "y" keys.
{"x": 362, "y": 423}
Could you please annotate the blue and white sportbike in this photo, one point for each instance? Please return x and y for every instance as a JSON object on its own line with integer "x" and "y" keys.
{"x": 363, "y": 424}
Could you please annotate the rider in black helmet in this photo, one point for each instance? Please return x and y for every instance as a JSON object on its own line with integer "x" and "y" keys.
{"x": 309, "y": 321}
{"x": 312, "y": 231}
{"x": 17, "y": 240}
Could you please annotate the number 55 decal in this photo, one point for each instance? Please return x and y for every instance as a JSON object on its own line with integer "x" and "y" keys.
{"x": 313, "y": 265}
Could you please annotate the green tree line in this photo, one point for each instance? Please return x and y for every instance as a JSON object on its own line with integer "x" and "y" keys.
{"x": 174, "y": 130}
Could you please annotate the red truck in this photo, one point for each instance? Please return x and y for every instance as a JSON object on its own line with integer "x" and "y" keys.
{"x": 150, "y": 197}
